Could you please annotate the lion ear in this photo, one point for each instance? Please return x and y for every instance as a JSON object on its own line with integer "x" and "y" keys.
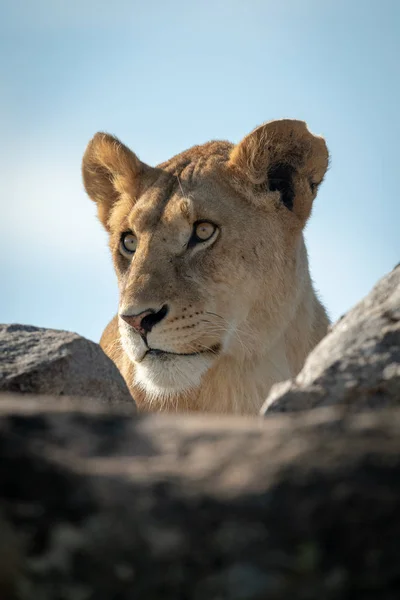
{"x": 283, "y": 156}
{"x": 110, "y": 170}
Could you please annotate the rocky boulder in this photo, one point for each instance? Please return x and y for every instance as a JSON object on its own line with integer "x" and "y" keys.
{"x": 357, "y": 364}
{"x": 47, "y": 361}
{"x": 100, "y": 505}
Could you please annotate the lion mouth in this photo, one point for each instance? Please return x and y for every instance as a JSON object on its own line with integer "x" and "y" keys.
{"x": 165, "y": 353}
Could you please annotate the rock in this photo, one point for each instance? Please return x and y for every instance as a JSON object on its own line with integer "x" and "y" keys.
{"x": 47, "y": 361}
{"x": 104, "y": 505}
{"x": 357, "y": 364}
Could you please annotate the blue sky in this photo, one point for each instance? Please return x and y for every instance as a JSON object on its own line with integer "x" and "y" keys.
{"x": 163, "y": 76}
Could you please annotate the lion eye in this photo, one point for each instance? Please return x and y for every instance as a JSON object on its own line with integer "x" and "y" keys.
{"x": 128, "y": 244}
{"x": 202, "y": 231}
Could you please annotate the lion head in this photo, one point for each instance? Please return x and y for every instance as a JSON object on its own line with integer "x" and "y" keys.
{"x": 208, "y": 249}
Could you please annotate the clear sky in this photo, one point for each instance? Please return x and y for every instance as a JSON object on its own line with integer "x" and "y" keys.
{"x": 164, "y": 76}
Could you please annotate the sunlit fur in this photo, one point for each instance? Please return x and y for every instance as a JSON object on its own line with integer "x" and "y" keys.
{"x": 242, "y": 311}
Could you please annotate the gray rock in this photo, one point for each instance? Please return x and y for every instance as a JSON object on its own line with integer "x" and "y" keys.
{"x": 101, "y": 505}
{"x": 47, "y": 361}
{"x": 357, "y": 364}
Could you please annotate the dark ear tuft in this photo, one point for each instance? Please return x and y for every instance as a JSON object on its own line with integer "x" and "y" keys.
{"x": 280, "y": 179}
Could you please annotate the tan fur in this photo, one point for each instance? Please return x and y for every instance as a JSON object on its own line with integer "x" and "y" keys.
{"x": 243, "y": 303}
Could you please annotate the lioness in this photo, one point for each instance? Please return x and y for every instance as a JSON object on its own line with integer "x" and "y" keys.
{"x": 216, "y": 300}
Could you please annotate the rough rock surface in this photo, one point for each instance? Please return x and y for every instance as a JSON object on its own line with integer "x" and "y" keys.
{"x": 100, "y": 505}
{"x": 47, "y": 361}
{"x": 357, "y": 364}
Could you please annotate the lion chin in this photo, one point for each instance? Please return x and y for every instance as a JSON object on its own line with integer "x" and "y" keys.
{"x": 170, "y": 375}
{"x": 162, "y": 375}
{"x": 216, "y": 300}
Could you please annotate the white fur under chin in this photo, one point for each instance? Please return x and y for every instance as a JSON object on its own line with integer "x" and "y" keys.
{"x": 168, "y": 375}
{"x": 164, "y": 376}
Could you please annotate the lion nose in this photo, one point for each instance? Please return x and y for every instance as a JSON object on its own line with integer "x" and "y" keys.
{"x": 146, "y": 320}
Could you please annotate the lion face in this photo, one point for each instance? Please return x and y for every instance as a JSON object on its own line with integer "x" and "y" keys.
{"x": 207, "y": 246}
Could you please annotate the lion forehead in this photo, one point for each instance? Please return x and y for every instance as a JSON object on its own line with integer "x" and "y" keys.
{"x": 184, "y": 200}
{"x": 198, "y": 159}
